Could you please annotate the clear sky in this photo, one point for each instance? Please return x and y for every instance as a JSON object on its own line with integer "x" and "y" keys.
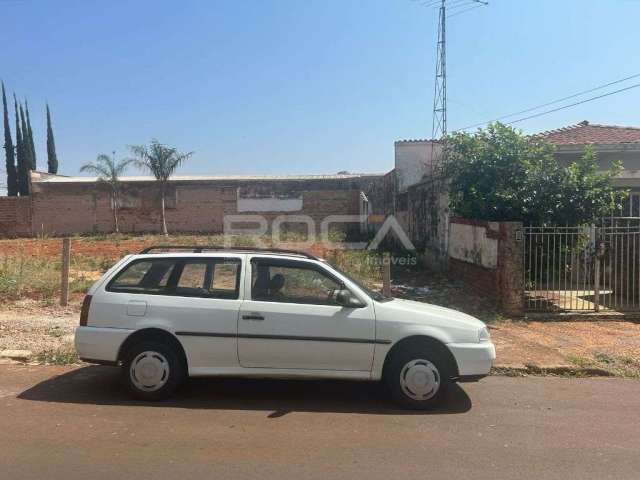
{"x": 302, "y": 86}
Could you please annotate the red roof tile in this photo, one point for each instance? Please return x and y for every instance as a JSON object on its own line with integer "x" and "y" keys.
{"x": 585, "y": 133}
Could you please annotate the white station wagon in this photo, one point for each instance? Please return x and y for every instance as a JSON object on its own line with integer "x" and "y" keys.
{"x": 172, "y": 312}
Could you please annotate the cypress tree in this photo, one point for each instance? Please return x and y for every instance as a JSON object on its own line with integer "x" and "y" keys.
{"x": 52, "y": 157}
{"x": 23, "y": 166}
{"x": 32, "y": 146}
{"x": 12, "y": 179}
{"x": 26, "y": 144}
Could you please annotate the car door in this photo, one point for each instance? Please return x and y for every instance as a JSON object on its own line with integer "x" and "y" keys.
{"x": 197, "y": 298}
{"x": 289, "y": 319}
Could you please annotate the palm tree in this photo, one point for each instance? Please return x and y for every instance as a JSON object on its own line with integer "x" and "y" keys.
{"x": 162, "y": 161}
{"x": 108, "y": 170}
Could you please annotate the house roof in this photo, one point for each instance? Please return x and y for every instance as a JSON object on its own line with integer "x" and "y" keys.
{"x": 585, "y": 133}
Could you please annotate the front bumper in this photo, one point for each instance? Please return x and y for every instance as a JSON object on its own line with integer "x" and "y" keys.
{"x": 474, "y": 359}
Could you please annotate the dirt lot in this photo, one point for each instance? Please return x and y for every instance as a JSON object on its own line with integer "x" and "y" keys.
{"x": 610, "y": 346}
{"x": 31, "y": 320}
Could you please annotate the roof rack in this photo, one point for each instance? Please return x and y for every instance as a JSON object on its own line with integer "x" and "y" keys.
{"x": 218, "y": 248}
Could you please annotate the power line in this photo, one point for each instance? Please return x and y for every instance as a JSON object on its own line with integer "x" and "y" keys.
{"x": 466, "y": 10}
{"x": 574, "y": 104}
{"x": 584, "y": 92}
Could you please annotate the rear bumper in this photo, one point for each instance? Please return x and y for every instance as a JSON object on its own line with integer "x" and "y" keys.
{"x": 474, "y": 359}
{"x": 100, "y": 345}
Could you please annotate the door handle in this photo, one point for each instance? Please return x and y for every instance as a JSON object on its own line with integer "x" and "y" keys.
{"x": 253, "y": 316}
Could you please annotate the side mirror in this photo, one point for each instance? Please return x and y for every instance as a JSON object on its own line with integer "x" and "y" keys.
{"x": 345, "y": 298}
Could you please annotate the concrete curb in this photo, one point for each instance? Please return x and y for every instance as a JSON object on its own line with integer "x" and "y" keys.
{"x": 583, "y": 317}
{"x": 559, "y": 370}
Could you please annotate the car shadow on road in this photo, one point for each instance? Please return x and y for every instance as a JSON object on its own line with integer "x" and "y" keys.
{"x": 99, "y": 385}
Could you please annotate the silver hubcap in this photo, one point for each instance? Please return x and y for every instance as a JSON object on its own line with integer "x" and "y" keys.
{"x": 149, "y": 371}
{"x": 420, "y": 379}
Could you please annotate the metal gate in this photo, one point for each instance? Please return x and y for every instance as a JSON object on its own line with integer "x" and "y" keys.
{"x": 585, "y": 268}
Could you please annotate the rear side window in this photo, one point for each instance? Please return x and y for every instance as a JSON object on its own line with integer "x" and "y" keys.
{"x": 185, "y": 277}
{"x": 144, "y": 276}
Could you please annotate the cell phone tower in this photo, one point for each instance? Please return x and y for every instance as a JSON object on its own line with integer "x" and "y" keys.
{"x": 439, "y": 124}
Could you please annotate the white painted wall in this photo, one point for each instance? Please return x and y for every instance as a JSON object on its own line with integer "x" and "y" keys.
{"x": 269, "y": 204}
{"x": 469, "y": 243}
{"x": 413, "y": 159}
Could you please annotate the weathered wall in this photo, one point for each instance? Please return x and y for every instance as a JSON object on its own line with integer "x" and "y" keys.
{"x": 413, "y": 161}
{"x": 487, "y": 257}
{"x": 192, "y": 206}
{"x": 474, "y": 242}
{"x": 427, "y": 221}
{"x": 15, "y": 216}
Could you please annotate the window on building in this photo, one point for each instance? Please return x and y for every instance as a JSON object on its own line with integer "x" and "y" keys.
{"x": 634, "y": 204}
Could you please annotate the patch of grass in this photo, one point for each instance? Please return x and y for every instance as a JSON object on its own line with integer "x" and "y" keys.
{"x": 28, "y": 276}
{"x": 618, "y": 365}
{"x": 579, "y": 361}
{"x": 64, "y": 355}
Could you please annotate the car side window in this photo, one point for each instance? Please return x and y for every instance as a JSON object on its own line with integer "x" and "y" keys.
{"x": 292, "y": 282}
{"x": 188, "y": 277}
{"x": 209, "y": 278}
{"x": 193, "y": 279}
{"x": 144, "y": 276}
{"x": 226, "y": 279}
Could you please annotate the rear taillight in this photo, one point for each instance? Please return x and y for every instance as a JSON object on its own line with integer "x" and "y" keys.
{"x": 84, "y": 313}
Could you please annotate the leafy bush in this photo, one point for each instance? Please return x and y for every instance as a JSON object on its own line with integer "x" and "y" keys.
{"x": 499, "y": 174}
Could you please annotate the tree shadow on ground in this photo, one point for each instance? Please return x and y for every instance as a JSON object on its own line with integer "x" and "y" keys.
{"x": 99, "y": 385}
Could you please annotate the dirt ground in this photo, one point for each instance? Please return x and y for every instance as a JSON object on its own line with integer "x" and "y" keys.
{"x": 44, "y": 328}
{"x": 610, "y": 346}
{"x": 114, "y": 246}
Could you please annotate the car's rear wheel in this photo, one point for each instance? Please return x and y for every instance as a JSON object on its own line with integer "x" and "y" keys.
{"x": 152, "y": 370}
{"x": 418, "y": 378}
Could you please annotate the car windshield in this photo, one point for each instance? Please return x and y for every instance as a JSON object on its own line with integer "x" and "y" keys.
{"x": 377, "y": 296}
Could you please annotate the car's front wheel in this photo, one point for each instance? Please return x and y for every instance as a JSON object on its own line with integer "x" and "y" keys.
{"x": 417, "y": 378}
{"x": 152, "y": 370}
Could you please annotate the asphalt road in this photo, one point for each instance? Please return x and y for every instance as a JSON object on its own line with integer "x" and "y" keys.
{"x": 58, "y": 422}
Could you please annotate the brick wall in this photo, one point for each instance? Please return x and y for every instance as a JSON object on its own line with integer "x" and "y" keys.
{"x": 15, "y": 216}
{"x": 480, "y": 279}
{"x": 487, "y": 257}
{"x": 193, "y": 205}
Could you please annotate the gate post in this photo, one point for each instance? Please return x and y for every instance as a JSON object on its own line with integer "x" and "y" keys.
{"x": 511, "y": 269}
{"x": 596, "y": 272}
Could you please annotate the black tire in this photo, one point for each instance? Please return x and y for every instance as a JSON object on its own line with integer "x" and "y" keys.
{"x": 421, "y": 357}
{"x": 161, "y": 358}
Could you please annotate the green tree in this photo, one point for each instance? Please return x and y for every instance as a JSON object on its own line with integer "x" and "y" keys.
{"x": 22, "y": 161}
{"x": 32, "y": 146}
{"x": 10, "y": 160}
{"x": 52, "y": 157}
{"x": 26, "y": 143}
{"x": 109, "y": 171}
{"x": 500, "y": 174}
{"x": 162, "y": 161}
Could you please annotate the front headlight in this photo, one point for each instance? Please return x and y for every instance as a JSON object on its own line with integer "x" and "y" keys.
{"x": 483, "y": 335}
